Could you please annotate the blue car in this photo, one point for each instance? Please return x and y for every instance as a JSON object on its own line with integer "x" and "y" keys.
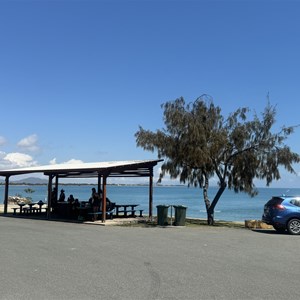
{"x": 283, "y": 213}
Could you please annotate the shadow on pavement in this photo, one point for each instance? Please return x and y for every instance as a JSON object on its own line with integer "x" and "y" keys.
{"x": 268, "y": 231}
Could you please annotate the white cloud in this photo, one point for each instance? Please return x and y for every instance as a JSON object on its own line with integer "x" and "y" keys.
{"x": 14, "y": 160}
{"x": 4, "y": 164}
{"x": 2, "y": 140}
{"x": 29, "y": 143}
{"x": 70, "y": 161}
{"x": 73, "y": 161}
{"x": 53, "y": 161}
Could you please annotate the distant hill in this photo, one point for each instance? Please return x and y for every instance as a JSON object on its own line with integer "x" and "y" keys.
{"x": 29, "y": 180}
{"x": 35, "y": 180}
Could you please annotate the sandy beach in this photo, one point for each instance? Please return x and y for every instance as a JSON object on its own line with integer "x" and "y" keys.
{"x": 9, "y": 208}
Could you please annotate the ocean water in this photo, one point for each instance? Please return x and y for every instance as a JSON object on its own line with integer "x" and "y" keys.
{"x": 231, "y": 206}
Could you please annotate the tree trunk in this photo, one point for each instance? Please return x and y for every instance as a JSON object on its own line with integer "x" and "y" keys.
{"x": 210, "y": 208}
{"x": 210, "y": 217}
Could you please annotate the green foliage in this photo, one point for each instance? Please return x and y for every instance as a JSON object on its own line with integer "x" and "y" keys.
{"x": 198, "y": 143}
{"x": 29, "y": 191}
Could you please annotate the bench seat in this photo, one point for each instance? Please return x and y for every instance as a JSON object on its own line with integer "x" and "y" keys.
{"x": 15, "y": 210}
{"x": 109, "y": 213}
{"x": 131, "y": 212}
{"x": 27, "y": 210}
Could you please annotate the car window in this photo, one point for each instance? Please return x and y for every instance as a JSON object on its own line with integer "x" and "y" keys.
{"x": 295, "y": 202}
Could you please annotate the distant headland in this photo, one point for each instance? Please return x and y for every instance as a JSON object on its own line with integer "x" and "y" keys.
{"x": 39, "y": 181}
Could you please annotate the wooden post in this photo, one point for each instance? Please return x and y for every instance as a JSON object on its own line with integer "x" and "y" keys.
{"x": 151, "y": 193}
{"x": 49, "y": 196}
{"x": 104, "y": 199}
{"x": 6, "y": 194}
{"x": 99, "y": 183}
{"x": 56, "y": 186}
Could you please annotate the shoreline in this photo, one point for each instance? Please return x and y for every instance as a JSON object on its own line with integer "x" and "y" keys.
{"x": 248, "y": 224}
{"x": 189, "y": 219}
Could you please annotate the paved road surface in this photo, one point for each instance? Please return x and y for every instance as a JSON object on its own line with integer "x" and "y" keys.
{"x": 55, "y": 260}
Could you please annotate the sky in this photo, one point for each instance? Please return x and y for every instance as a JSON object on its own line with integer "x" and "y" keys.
{"x": 78, "y": 78}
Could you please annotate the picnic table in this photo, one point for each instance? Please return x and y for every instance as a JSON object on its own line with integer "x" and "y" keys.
{"x": 127, "y": 208}
{"x": 21, "y": 205}
{"x": 83, "y": 212}
{"x": 29, "y": 208}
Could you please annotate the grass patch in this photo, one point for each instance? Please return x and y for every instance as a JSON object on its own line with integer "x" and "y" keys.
{"x": 189, "y": 223}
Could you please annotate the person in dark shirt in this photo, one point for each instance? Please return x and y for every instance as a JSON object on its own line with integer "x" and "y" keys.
{"x": 71, "y": 199}
{"x": 75, "y": 207}
{"x": 95, "y": 203}
{"x": 62, "y": 196}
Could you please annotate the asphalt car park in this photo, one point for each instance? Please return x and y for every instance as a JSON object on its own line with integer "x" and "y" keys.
{"x": 57, "y": 260}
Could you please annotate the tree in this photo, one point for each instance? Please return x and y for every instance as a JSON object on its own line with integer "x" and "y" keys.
{"x": 198, "y": 144}
{"x": 29, "y": 191}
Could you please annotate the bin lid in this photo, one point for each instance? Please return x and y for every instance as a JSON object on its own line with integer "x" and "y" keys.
{"x": 179, "y": 206}
{"x": 162, "y": 205}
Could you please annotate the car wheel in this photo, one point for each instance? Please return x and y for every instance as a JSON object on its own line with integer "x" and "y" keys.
{"x": 279, "y": 229}
{"x": 293, "y": 226}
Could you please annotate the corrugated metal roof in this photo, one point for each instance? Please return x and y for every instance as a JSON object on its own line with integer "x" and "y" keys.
{"x": 110, "y": 168}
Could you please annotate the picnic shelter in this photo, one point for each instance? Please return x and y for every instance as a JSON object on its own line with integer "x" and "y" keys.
{"x": 100, "y": 170}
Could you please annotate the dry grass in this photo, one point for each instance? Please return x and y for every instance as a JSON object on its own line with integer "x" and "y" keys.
{"x": 189, "y": 223}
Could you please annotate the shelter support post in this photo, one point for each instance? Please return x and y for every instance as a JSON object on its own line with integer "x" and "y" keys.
{"x": 99, "y": 183}
{"x": 49, "y": 195}
{"x": 56, "y": 187}
{"x": 150, "y": 193}
{"x": 6, "y": 194}
{"x": 104, "y": 199}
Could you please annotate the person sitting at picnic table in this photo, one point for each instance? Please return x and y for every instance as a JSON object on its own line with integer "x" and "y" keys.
{"x": 70, "y": 203}
{"x": 62, "y": 196}
{"x": 71, "y": 199}
{"x": 108, "y": 205}
{"x": 75, "y": 206}
{"x": 76, "y": 203}
{"x": 91, "y": 198}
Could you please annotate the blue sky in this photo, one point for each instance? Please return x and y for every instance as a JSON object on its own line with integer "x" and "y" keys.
{"x": 77, "y": 78}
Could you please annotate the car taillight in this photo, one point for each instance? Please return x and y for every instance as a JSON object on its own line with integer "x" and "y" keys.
{"x": 279, "y": 207}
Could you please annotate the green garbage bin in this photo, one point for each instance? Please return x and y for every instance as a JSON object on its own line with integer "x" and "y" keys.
{"x": 162, "y": 215}
{"x": 180, "y": 213}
